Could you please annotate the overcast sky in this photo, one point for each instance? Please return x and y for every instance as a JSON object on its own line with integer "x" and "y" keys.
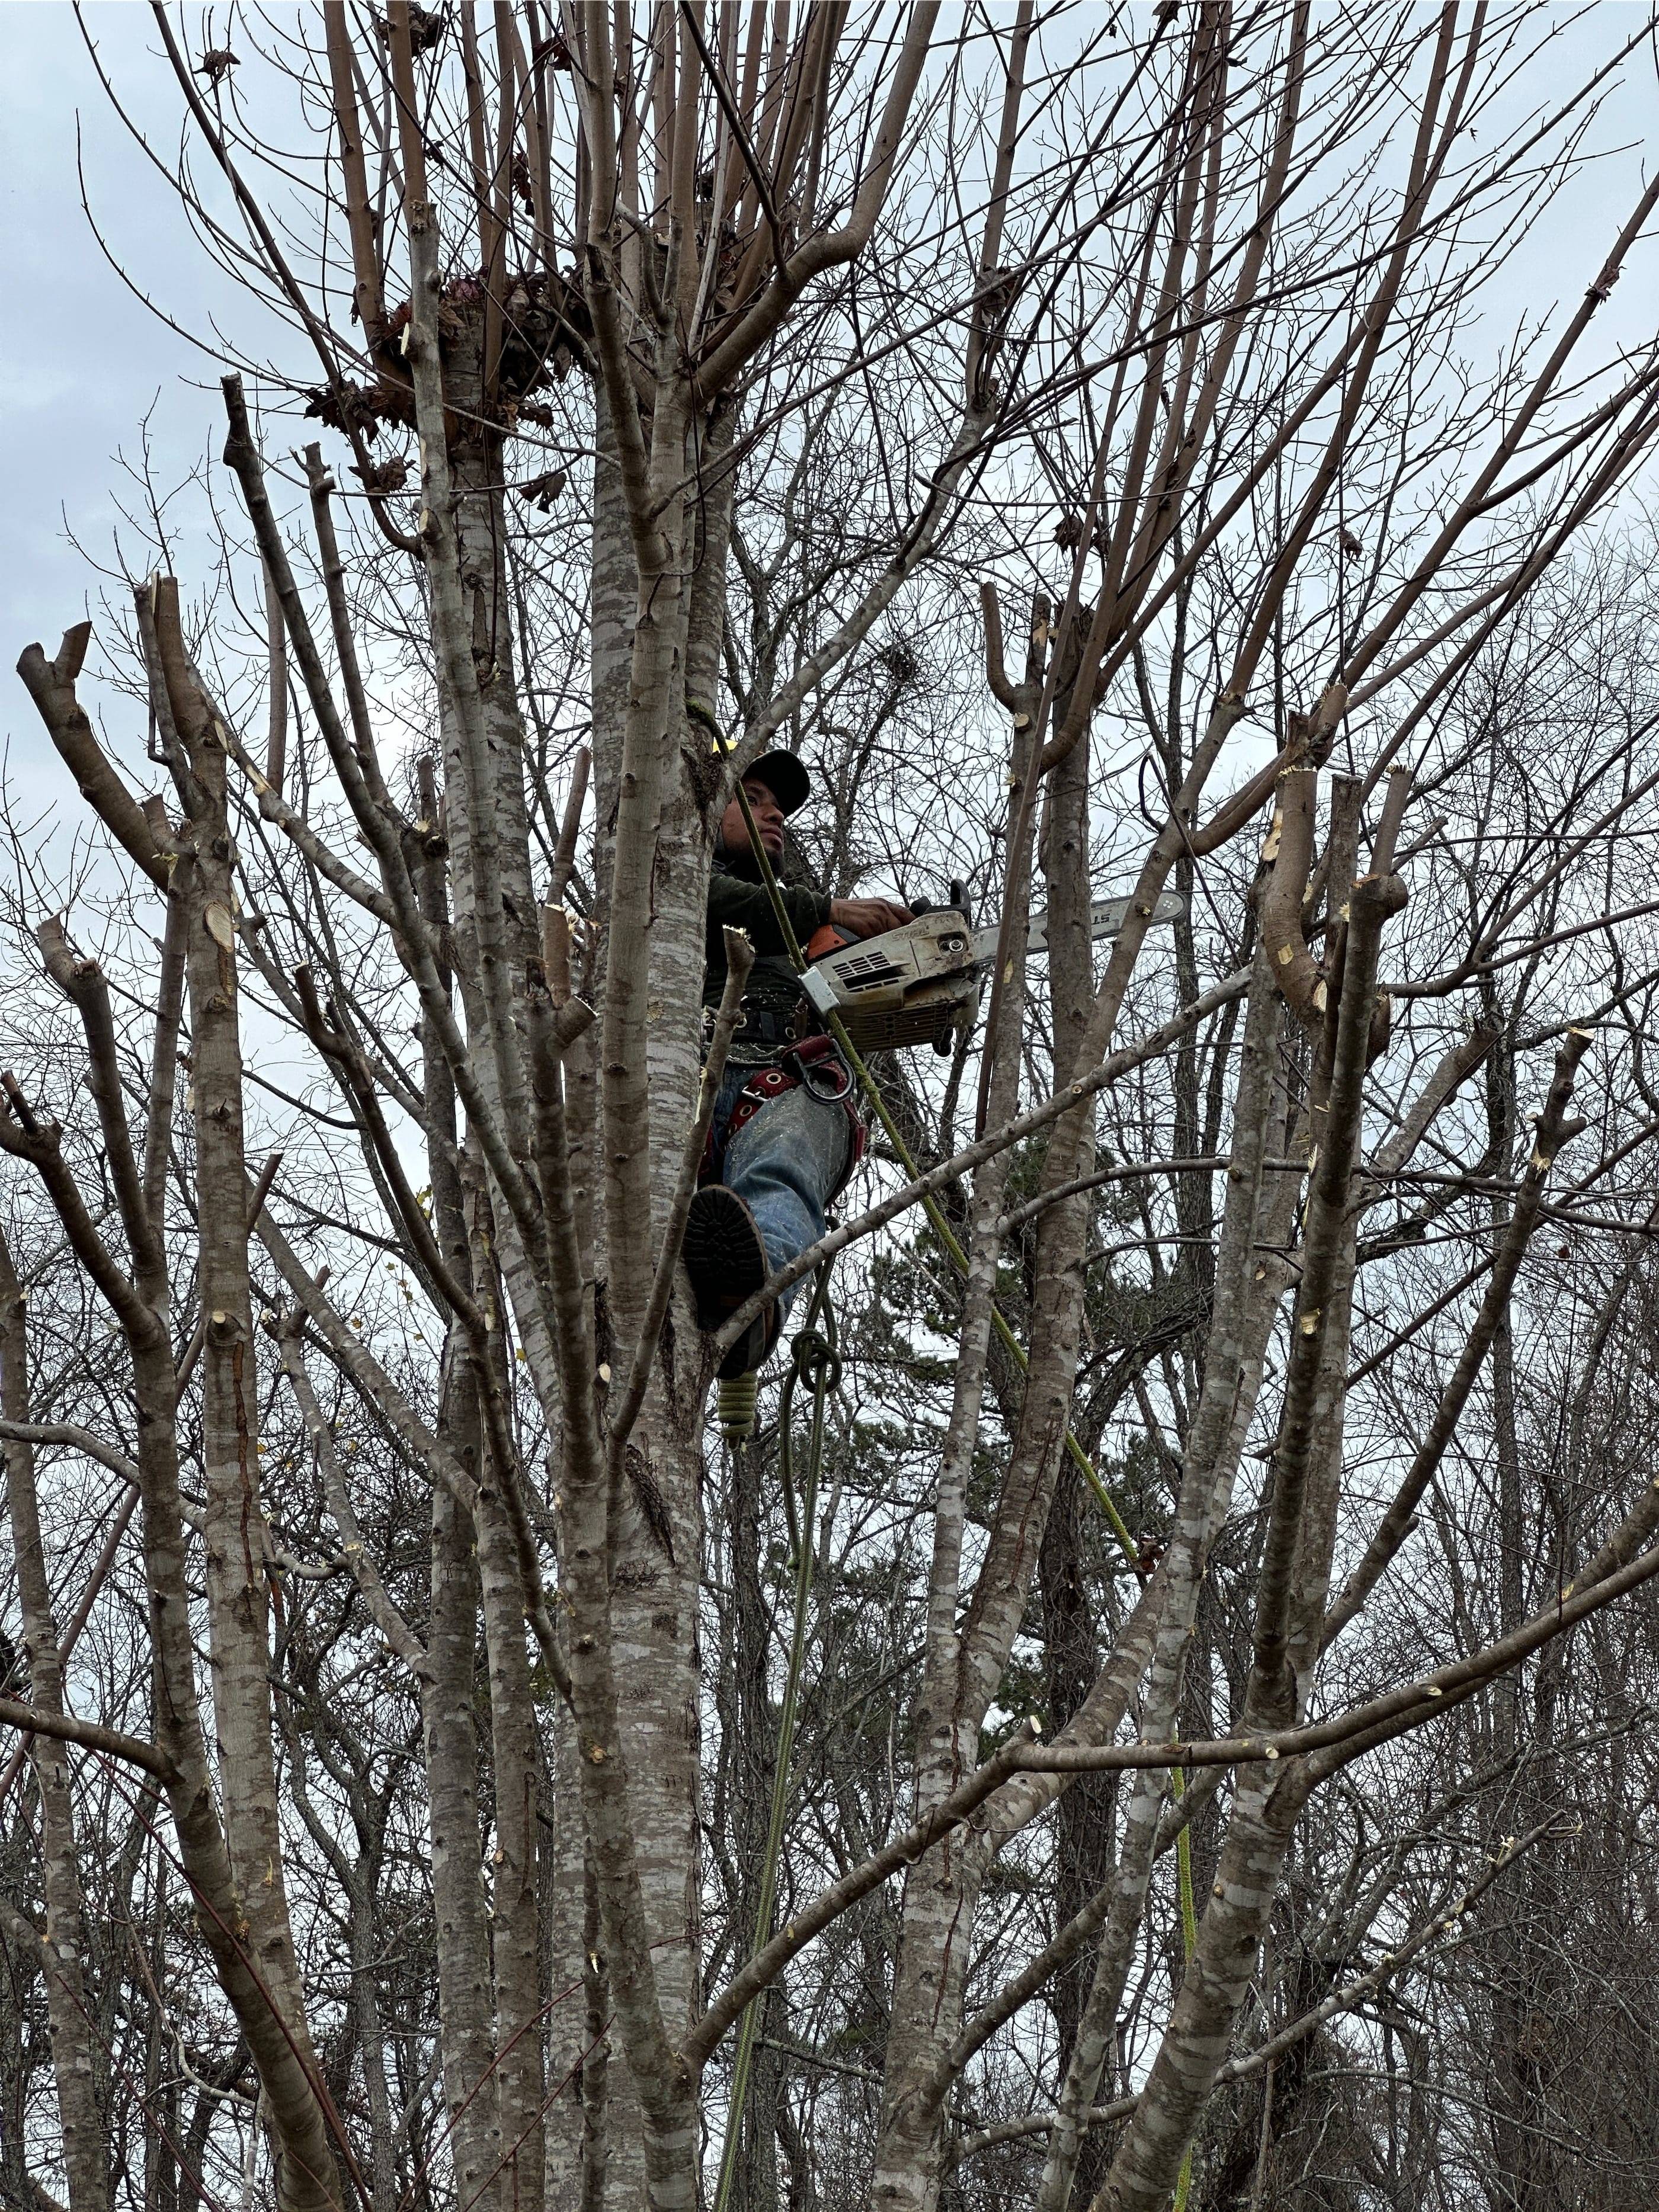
{"x": 82, "y": 362}
{"x": 81, "y": 359}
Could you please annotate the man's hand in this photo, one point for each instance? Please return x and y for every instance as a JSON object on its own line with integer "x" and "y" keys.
{"x": 868, "y": 917}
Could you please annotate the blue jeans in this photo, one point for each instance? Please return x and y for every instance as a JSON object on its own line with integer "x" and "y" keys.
{"x": 786, "y": 1163}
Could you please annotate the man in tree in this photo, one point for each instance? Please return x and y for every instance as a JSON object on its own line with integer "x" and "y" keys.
{"x": 784, "y": 1136}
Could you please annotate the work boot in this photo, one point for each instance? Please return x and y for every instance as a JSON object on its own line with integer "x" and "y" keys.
{"x": 727, "y": 1261}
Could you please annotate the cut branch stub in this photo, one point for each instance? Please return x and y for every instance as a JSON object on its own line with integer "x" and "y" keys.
{"x": 1311, "y": 988}
{"x": 51, "y": 686}
{"x": 1289, "y": 853}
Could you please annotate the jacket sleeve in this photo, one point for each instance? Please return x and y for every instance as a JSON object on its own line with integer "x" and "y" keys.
{"x": 734, "y": 904}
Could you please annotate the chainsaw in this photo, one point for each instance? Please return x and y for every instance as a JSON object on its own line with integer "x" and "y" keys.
{"x": 919, "y": 984}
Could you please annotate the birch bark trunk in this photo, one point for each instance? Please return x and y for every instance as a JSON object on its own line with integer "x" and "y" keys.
{"x": 570, "y": 1944}
{"x": 1086, "y": 1817}
{"x": 657, "y": 1530}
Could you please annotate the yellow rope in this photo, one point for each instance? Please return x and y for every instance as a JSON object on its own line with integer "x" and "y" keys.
{"x": 1189, "y": 1944}
{"x": 816, "y": 1360}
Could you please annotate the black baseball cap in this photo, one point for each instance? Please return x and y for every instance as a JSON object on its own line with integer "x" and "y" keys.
{"x": 785, "y": 776}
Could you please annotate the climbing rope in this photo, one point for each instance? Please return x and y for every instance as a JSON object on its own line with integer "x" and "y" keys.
{"x": 814, "y": 1360}
{"x": 941, "y": 1226}
{"x": 1188, "y": 1945}
{"x": 735, "y": 1400}
{"x": 816, "y": 1350}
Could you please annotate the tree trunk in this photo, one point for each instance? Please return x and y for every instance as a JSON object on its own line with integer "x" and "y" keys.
{"x": 657, "y": 1535}
{"x": 63, "y": 1946}
{"x": 942, "y": 1893}
{"x": 1526, "y": 2174}
{"x": 233, "y": 1529}
{"x": 471, "y": 2091}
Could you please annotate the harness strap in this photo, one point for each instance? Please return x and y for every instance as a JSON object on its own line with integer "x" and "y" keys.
{"x": 815, "y": 1065}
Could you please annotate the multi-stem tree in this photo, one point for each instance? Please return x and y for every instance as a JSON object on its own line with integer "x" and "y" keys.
{"x": 1059, "y": 426}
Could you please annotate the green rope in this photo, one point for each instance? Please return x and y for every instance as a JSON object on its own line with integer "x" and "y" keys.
{"x": 1189, "y": 1944}
{"x": 941, "y": 1226}
{"x": 814, "y": 1358}
{"x": 734, "y": 1406}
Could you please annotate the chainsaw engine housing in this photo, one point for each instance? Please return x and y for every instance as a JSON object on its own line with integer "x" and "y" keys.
{"x": 915, "y": 985}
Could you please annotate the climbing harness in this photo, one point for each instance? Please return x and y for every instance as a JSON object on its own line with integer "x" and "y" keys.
{"x": 814, "y": 1065}
{"x": 816, "y": 1361}
{"x": 941, "y": 1227}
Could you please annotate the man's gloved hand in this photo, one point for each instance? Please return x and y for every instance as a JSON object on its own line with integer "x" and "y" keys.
{"x": 868, "y": 917}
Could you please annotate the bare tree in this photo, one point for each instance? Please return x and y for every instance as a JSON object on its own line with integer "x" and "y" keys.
{"x": 1025, "y": 1772}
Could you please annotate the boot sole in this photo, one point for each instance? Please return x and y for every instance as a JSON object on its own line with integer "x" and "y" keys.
{"x": 726, "y": 1263}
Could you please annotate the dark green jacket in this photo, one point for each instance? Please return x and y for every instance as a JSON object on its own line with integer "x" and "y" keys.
{"x": 735, "y": 904}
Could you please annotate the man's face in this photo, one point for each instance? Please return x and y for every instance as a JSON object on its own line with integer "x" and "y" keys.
{"x": 769, "y": 820}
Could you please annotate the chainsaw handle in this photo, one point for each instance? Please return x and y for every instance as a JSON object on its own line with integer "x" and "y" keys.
{"x": 958, "y": 902}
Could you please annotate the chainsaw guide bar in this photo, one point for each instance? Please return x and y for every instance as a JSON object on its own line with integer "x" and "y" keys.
{"x": 919, "y": 984}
